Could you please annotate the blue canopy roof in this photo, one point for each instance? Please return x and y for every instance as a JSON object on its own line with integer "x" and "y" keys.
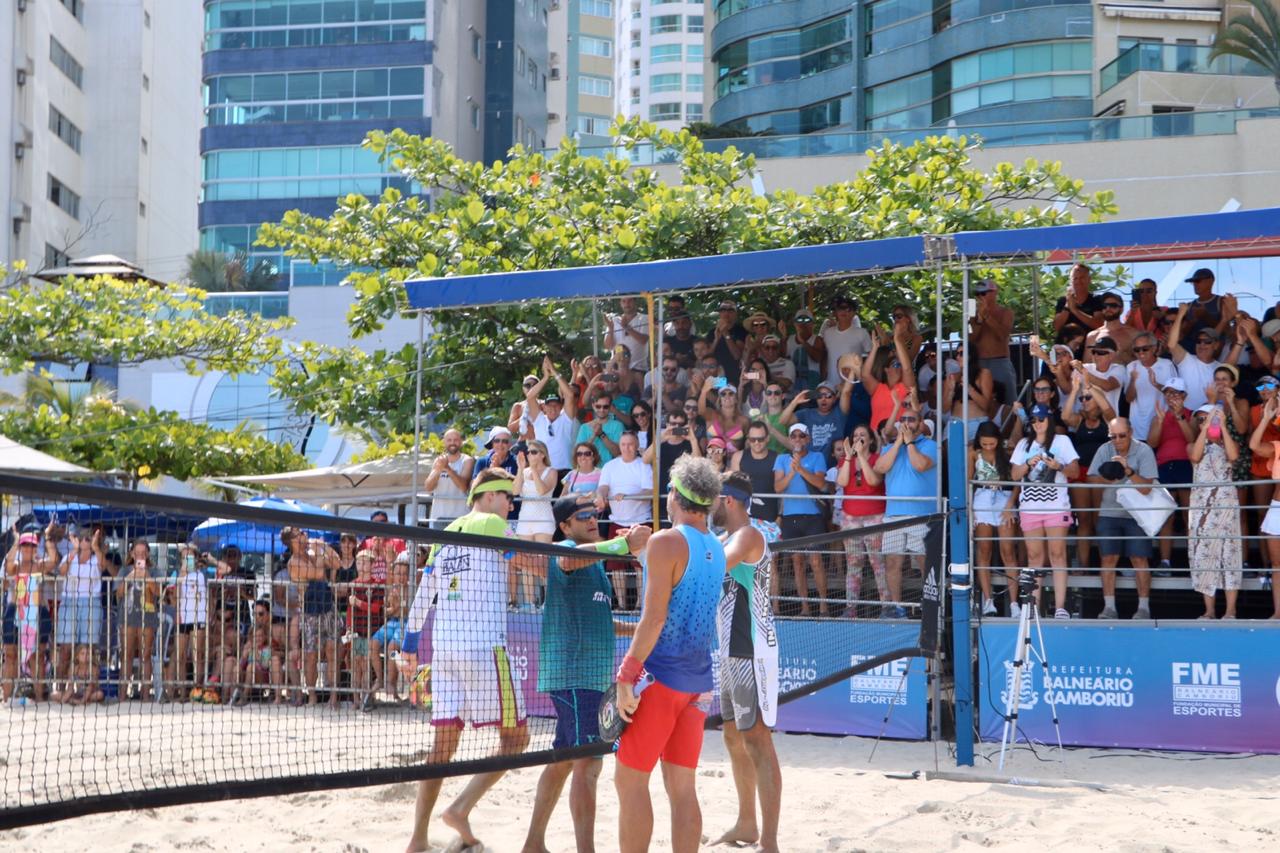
{"x": 1248, "y": 232}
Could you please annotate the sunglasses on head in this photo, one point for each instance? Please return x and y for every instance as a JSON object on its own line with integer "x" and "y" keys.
{"x": 1266, "y": 386}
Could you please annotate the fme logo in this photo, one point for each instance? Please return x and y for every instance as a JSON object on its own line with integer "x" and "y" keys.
{"x": 1205, "y": 689}
{"x": 1028, "y": 697}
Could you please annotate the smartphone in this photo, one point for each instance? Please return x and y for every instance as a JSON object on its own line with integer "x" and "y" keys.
{"x": 971, "y": 307}
{"x": 752, "y": 375}
{"x": 609, "y": 377}
{"x": 680, "y": 430}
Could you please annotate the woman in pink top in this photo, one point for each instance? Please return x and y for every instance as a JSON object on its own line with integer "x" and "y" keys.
{"x": 1270, "y": 450}
{"x": 1171, "y": 431}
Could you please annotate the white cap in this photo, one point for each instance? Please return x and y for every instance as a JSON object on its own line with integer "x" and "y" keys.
{"x": 797, "y": 427}
{"x": 497, "y": 432}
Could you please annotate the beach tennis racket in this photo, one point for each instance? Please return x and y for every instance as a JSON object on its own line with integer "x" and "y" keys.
{"x": 610, "y": 721}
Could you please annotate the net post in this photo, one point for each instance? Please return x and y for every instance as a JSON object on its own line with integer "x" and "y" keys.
{"x": 961, "y": 587}
{"x": 655, "y": 423}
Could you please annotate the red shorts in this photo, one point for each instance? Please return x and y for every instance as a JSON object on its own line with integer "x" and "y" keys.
{"x": 667, "y": 725}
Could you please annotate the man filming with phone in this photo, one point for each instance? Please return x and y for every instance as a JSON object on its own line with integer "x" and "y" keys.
{"x": 676, "y": 441}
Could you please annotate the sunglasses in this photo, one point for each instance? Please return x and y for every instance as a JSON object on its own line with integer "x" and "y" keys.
{"x": 670, "y": 370}
{"x": 1114, "y": 305}
{"x": 804, "y": 321}
{"x": 586, "y": 515}
{"x": 1096, "y": 351}
{"x": 1084, "y": 398}
{"x": 601, "y": 408}
{"x": 826, "y": 396}
{"x": 1143, "y": 349}
{"x": 534, "y": 452}
{"x": 1266, "y": 387}
{"x": 908, "y": 420}
{"x": 1040, "y": 389}
{"x": 773, "y": 392}
{"x": 897, "y": 365}
{"x": 1175, "y": 393}
{"x": 759, "y": 323}
{"x": 495, "y": 441}
{"x": 584, "y": 453}
{"x": 640, "y": 412}
{"x": 1118, "y": 435}
{"x": 1200, "y": 342}
{"x": 757, "y": 439}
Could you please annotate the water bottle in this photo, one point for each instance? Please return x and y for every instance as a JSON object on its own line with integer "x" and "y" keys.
{"x": 1037, "y": 472}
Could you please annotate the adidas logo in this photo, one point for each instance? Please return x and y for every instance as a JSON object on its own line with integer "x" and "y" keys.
{"x": 930, "y": 590}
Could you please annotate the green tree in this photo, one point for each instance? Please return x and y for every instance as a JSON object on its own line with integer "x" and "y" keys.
{"x": 1254, "y": 36}
{"x": 103, "y": 435}
{"x": 106, "y": 320}
{"x": 219, "y": 272}
{"x": 566, "y": 210}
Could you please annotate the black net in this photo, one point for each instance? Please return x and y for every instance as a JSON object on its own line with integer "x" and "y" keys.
{"x": 160, "y": 651}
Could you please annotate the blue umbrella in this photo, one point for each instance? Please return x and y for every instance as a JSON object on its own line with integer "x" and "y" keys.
{"x": 140, "y": 521}
{"x": 255, "y": 537}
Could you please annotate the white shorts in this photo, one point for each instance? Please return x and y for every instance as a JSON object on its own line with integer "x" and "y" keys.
{"x": 1271, "y": 524}
{"x": 475, "y": 686}
{"x": 988, "y": 504}
{"x": 904, "y": 540}
{"x": 535, "y": 526}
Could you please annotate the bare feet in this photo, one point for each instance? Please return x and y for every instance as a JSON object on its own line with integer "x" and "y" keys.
{"x": 738, "y": 836}
{"x": 460, "y": 824}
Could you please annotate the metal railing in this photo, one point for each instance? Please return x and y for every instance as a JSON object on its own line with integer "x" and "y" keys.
{"x": 1177, "y": 58}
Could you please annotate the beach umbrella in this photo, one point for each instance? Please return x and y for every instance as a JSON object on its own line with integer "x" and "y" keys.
{"x": 256, "y": 537}
{"x": 177, "y": 525}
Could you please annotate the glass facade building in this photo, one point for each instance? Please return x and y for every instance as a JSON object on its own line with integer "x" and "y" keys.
{"x": 806, "y": 66}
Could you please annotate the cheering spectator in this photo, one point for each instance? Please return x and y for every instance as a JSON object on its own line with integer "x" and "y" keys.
{"x": 863, "y": 506}
{"x": 727, "y": 340}
{"x": 907, "y": 467}
{"x": 518, "y": 419}
{"x": 139, "y": 597}
{"x": 551, "y": 420}
{"x": 642, "y": 417}
{"x": 1145, "y": 312}
{"x": 826, "y": 421}
{"x": 1087, "y": 423}
{"x": 751, "y": 387}
{"x": 24, "y": 558}
{"x": 1268, "y": 449}
{"x": 989, "y": 331}
{"x": 680, "y": 340}
{"x": 603, "y": 430}
{"x": 1113, "y": 328}
{"x": 806, "y": 351}
{"x": 675, "y": 384}
{"x": 79, "y": 619}
{"x": 536, "y": 483}
{"x": 498, "y": 444}
{"x": 724, "y": 421}
{"x": 775, "y": 417}
{"x": 584, "y": 479}
{"x": 626, "y": 485}
{"x": 1235, "y": 420}
{"x": 583, "y": 376}
{"x": 757, "y": 461}
{"x": 677, "y": 440}
{"x": 1170, "y": 434}
{"x": 621, "y": 385}
{"x": 1079, "y": 306}
{"x": 364, "y": 617}
{"x": 1207, "y": 312}
{"x": 758, "y": 325}
{"x": 858, "y": 410}
{"x": 1045, "y": 461}
{"x": 781, "y": 369}
{"x": 890, "y": 375}
{"x": 800, "y": 474}
{"x": 630, "y": 328}
{"x": 1148, "y": 374}
{"x": 989, "y": 468}
{"x": 1213, "y": 524}
{"x": 1123, "y": 462}
{"x": 1196, "y": 371}
{"x": 448, "y": 482}
{"x": 311, "y": 566}
{"x": 1103, "y": 375}
{"x": 193, "y": 618}
{"x": 981, "y": 397}
{"x": 843, "y": 334}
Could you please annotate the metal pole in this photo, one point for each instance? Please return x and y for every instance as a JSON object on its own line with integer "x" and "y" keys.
{"x": 961, "y": 576}
{"x": 417, "y": 418}
{"x": 655, "y": 422}
{"x": 937, "y": 433}
{"x": 595, "y": 328}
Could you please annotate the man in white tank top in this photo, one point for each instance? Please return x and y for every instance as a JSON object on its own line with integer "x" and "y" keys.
{"x": 448, "y": 482}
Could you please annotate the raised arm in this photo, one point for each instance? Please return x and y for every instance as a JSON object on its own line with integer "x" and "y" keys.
{"x": 1175, "y": 334}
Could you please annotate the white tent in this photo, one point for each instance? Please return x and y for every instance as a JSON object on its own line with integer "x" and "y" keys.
{"x": 19, "y": 459}
{"x": 383, "y": 480}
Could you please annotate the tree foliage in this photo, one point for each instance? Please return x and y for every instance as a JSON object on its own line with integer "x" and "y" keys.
{"x": 219, "y": 272}
{"x": 566, "y": 210}
{"x": 105, "y": 320}
{"x": 1254, "y": 36}
{"x": 106, "y": 436}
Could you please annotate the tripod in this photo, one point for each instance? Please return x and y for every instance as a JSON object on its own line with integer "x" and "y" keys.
{"x": 1013, "y": 700}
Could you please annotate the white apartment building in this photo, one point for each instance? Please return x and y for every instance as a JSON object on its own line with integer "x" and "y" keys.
{"x": 103, "y": 105}
{"x": 660, "y": 70}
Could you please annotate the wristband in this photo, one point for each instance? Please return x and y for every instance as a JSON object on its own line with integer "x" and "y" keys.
{"x": 616, "y": 546}
{"x": 630, "y": 670}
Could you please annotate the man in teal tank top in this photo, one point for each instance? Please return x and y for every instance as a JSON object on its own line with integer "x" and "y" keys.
{"x": 684, "y": 568}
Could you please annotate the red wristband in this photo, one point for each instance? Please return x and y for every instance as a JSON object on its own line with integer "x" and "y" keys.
{"x": 630, "y": 670}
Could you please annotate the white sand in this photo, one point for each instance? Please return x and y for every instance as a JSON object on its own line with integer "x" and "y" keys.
{"x": 834, "y": 799}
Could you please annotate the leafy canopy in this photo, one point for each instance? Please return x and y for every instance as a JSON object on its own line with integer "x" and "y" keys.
{"x": 1254, "y": 36}
{"x": 566, "y": 210}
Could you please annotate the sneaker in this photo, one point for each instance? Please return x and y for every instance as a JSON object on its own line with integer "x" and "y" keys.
{"x": 1141, "y": 613}
{"x": 1061, "y": 614}
{"x": 1128, "y": 573}
{"x": 1015, "y": 611}
{"x": 895, "y": 612}
{"x": 988, "y": 607}
{"x": 1164, "y": 571}
{"x": 1108, "y": 613}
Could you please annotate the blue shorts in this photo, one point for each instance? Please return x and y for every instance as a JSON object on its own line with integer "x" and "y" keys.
{"x": 392, "y": 632}
{"x": 1110, "y": 531}
{"x": 577, "y": 717}
{"x": 79, "y": 621}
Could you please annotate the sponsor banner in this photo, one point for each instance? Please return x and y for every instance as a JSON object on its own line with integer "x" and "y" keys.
{"x": 1214, "y": 689}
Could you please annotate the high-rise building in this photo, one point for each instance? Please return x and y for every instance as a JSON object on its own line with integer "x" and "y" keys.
{"x": 516, "y": 76}
{"x": 661, "y": 61}
{"x": 580, "y": 94}
{"x": 103, "y": 107}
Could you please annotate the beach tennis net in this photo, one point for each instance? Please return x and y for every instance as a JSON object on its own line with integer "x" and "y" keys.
{"x": 160, "y": 651}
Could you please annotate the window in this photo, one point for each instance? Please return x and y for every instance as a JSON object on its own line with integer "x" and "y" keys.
{"x": 65, "y": 62}
{"x": 695, "y": 54}
{"x": 783, "y": 55}
{"x": 600, "y": 87}
{"x": 55, "y": 258}
{"x": 475, "y": 117}
{"x": 693, "y": 83}
{"x": 310, "y": 172}
{"x": 232, "y": 24}
{"x": 593, "y": 125}
{"x": 364, "y": 94}
{"x": 693, "y": 112}
{"x": 597, "y": 8}
{"x": 64, "y": 198}
{"x": 660, "y": 53}
{"x": 533, "y": 74}
{"x": 664, "y": 24}
{"x": 76, "y": 8}
{"x": 476, "y": 45}
{"x": 64, "y": 129}
{"x": 664, "y": 83}
{"x": 694, "y": 24}
{"x": 591, "y": 46}
{"x": 664, "y": 112}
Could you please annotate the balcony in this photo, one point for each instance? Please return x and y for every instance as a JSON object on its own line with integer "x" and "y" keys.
{"x": 1174, "y": 58}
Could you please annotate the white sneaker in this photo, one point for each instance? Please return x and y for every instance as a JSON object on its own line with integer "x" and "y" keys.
{"x": 988, "y": 607}
{"x": 1015, "y": 612}
{"x": 1141, "y": 613}
{"x": 1061, "y": 614}
{"x": 1108, "y": 613}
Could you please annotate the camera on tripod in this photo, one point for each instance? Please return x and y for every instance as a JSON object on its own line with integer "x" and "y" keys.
{"x": 1028, "y": 580}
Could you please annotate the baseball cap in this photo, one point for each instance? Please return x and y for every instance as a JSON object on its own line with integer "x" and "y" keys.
{"x": 1203, "y": 272}
{"x": 497, "y": 432}
{"x": 28, "y": 539}
{"x": 566, "y": 508}
{"x": 795, "y": 428}
{"x": 1111, "y": 470}
{"x": 985, "y": 286}
{"x": 825, "y": 384}
{"x": 403, "y": 557}
{"x": 843, "y": 301}
{"x": 1040, "y": 411}
{"x": 1208, "y": 333}
{"x": 1271, "y": 327}
{"x": 1206, "y": 409}
{"x": 1267, "y": 380}
{"x": 804, "y": 315}
{"x": 771, "y": 339}
{"x": 717, "y": 442}
{"x": 554, "y": 398}
{"x": 1176, "y": 384}
{"x": 1105, "y": 343}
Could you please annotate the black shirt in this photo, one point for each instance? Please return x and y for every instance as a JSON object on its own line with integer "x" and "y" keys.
{"x": 1092, "y": 305}
{"x": 681, "y": 350}
{"x": 732, "y": 367}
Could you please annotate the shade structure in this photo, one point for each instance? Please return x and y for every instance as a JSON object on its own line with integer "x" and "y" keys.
{"x": 389, "y": 478}
{"x": 117, "y": 518}
{"x": 251, "y": 536}
{"x": 17, "y": 458}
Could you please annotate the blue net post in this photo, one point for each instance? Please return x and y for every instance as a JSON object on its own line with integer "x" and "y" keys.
{"x": 961, "y": 587}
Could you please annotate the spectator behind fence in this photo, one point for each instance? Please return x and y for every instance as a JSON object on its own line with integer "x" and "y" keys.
{"x": 1145, "y": 311}
{"x": 1114, "y": 328}
{"x": 194, "y": 610}
{"x": 727, "y": 340}
{"x": 863, "y": 506}
{"x": 642, "y": 420}
{"x": 626, "y": 486}
{"x": 1213, "y": 524}
{"x": 584, "y": 479}
{"x": 551, "y": 421}
{"x": 1123, "y": 462}
{"x": 1079, "y": 306}
{"x": 79, "y": 618}
{"x": 758, "y": 325}
{"x": 680, "y": 340}
{"x": 782, "y": 370}
{"x": 989, "y": 331}
{"x": 536, "y": 484}
{"x": 757, "y": 461}
{"x": 800, "y": 474}
{"x": 907, "y": 467}
{"x": 722, "y": 417}
{"x": 603, "y": 430}
{"x": 1207, "y": 312}
{"x": 755, "y": 378}
{"x": 840, "y": 335}
{"x": 1268, "y": 450}
{"x": 1102, "y": 373}
{"x": 1086, "y": 413}
{"x": 448, "y": 481}
{"x": 1194, "y": 368}
{"x": 312, "y": 566}
{"x": 25, "y": 558}
{"x": 675, "y": 384}
{"x": 887, "y": 373}
{"x": 1148, "y": 374}
{"x": 631, "y": 329}
{"x": 139, "y": 597}
{"x": 1170, "y": 434}
{"x": 993, "y": 503}
{"x": 676, "y": 441}
{"x": 1045, "y": 461}
{"x": 805, "y": 349}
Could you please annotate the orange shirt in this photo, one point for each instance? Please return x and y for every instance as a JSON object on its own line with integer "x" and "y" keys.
{"x": 1262, "y": 467}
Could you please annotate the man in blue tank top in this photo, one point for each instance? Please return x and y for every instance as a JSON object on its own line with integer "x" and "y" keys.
{"x": 684, "y": 569}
